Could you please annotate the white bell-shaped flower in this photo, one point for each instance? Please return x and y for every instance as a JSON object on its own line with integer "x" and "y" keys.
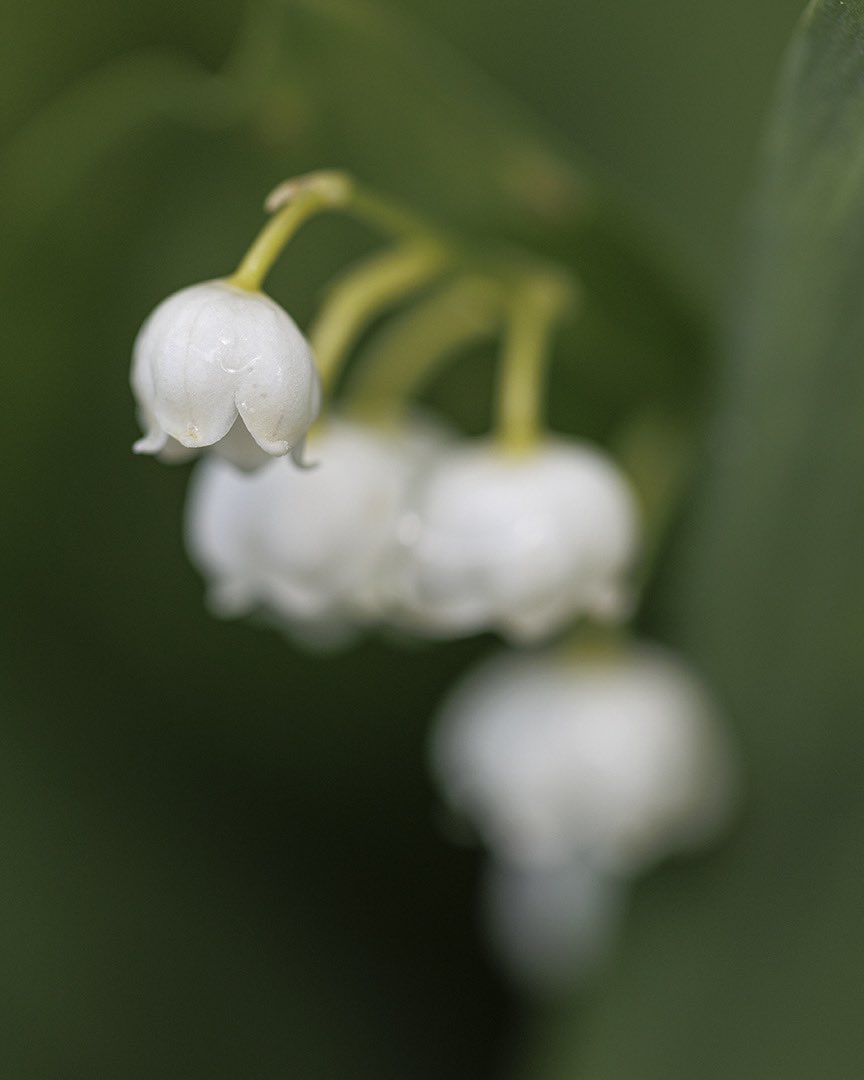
{"x": 517, "y": 543}
{"x": 219, "y": 366}
{"x": 617, "y": 756}
{"x": 306, "y": 545}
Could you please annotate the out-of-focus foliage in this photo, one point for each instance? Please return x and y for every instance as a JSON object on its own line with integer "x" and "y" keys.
{"x": 751, "y": 965}
{"x": 222, "y": 856}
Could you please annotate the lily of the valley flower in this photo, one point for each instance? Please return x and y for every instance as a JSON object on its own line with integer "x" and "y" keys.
{"x": 306, "y": 545}
{"x": 517, "y": 543}
{"x": 618, "y": 757}
{"x": 219, "y": 366}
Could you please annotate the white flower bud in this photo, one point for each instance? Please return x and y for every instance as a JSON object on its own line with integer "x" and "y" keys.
{"x": 619, "y": 757}
{"x": 307, "y": 545}
{"x": 521, "y": 544}
{"x": 215, "y": 362}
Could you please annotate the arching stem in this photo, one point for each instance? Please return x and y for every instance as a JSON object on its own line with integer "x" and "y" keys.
{"x": 536, "y": 305}
{"x": 409, "y": 351}
{"x": 295, "y": 201}
{"x": 365, "y": 292}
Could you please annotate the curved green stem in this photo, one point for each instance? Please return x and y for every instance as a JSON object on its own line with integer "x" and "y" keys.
{"x": 306, "y": 197}
{"x": 420, "y": 340}
{"x": 537, "y": 304}
{"x": 369, "y": 289}
{"x": 409, "y": 351}
{"x": 391, "y": 218}
{"x": 297, "y": 200}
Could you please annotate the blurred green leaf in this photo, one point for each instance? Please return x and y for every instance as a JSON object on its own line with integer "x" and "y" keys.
{"x": 750, "y": 964}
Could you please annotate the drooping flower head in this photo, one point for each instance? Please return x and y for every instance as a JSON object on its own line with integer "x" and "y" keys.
{"x": 215, "y": 364}
{"x": 309, "y": 546}
{"x": 578, "y": 772}
{"x": 618, "y": 756}
{"x": 521, "y": 544}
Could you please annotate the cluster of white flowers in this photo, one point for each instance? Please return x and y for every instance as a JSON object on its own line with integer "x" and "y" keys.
{"x": 578, "y": 770}
{"x": 413, "y": 528}
{"x": 520, "y": 544}
{"x": 442, "y": 536}
{"x": 312, "y": 546}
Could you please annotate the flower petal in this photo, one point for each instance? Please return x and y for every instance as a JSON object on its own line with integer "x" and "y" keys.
{"x": 151, "y": 443}
{"x": 278, "y": 395}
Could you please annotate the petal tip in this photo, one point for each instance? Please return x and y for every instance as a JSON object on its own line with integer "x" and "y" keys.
{"x": 297, "y": 457}
{"x": 151, "y": 443}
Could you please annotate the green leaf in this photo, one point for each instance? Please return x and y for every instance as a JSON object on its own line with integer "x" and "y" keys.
{"x": 750, "y": 964}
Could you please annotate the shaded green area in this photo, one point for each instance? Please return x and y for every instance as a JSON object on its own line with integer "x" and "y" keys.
{"x": 750, "y": 965}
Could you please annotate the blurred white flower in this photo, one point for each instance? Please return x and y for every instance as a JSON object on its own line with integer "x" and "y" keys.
{"x": 306, "y": 545}
{"x": 578, "y": 771}
{"x": 551, "y": 926}
{"x": 517, "y": 543}
{"x": 619, "y": 757}
{"x": 215, "y": 364}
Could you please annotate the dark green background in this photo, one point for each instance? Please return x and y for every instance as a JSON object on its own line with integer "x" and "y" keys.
{"x": 221, "y": 857}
